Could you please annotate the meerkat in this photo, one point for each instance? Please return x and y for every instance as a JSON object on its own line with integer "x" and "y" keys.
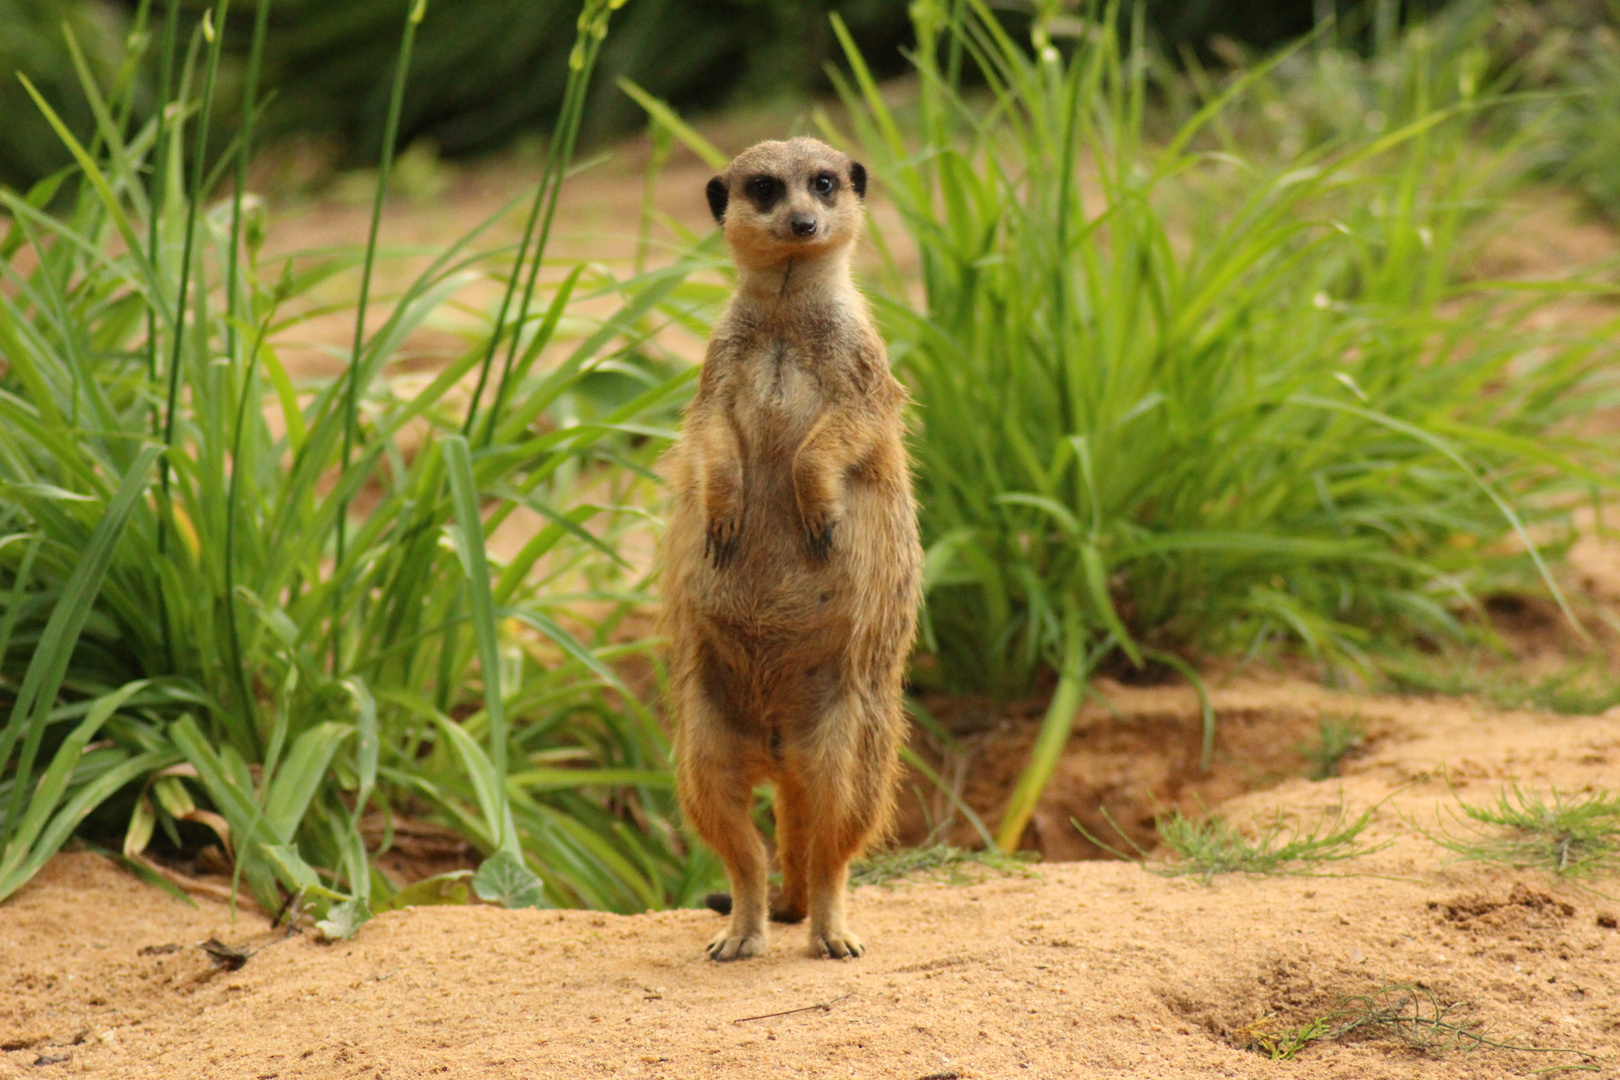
{"x": 790, "y": 562}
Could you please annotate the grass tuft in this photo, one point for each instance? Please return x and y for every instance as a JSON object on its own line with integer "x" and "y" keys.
{"x": 940, "y": 862}
{"x": 1406, "y": 1014}
{"x": 1282, "y": 846}
{"x": 1573, "y": 836}
{"x": 1584, "y": 688}
{"x": 193, "y": 626}
{"x": 1337, "y": 739}
{"x": 1189, "y": 394}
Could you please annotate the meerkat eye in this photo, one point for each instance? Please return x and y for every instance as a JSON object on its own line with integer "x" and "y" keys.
{"x": 762, "y": 189}
{"x": 822, "y": 184}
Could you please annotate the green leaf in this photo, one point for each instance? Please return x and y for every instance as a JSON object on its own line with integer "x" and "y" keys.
{"x": 344, "y": 920}
{"x": 468, "y": 536}
{"x": 367, "y": 745}
{"x": 141, "y": 822}
{"x": 1102, "y": 601}
{"x": 506, "y": 880}
{"x": 298, "y": 875}
{"x": 440, "y": 890}
{"x": 488, "y": 785}
{"x": 300, "y": 775}
{"x": 660, "y": 111}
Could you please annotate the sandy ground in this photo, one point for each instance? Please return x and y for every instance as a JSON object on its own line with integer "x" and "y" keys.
{"x": 1088, "y": 969}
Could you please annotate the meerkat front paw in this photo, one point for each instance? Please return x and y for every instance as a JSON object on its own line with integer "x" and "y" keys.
{"x": 729, "y": 946}
{"x": 720, "y": 541}
{"x": 836, "y": 945}
{"x": 818, "y": 533}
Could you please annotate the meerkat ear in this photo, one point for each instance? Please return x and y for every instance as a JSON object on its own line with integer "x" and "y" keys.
{"x": 857, "y": 178}
{"x": 718, "y": 197}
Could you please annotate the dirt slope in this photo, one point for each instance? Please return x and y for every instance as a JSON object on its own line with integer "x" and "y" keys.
{"x": 1093, "y": 969}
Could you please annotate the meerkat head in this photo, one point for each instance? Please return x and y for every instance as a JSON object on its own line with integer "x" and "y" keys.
{"x": 788, "y": 200}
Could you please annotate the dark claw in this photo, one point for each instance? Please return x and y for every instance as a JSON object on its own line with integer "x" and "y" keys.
{"x": 821, "y": 541}
{"x": 720, "y": 543}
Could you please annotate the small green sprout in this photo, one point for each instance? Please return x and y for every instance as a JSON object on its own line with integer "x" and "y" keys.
{"x": 1573, "y": 836}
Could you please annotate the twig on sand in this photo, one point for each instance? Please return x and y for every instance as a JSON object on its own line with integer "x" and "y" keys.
{"x": 824, "y": 1006}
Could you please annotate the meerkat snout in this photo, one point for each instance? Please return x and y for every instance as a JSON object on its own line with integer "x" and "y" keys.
{"x": 803, "y": 226}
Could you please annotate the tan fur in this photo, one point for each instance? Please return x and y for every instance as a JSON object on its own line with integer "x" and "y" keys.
{"x": 791, "y": 564}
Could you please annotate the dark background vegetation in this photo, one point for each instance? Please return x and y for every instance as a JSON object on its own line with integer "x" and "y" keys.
{"x": 488, "y": 71}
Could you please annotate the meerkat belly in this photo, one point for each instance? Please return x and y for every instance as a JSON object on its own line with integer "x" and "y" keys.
{"x": 779, "y": 600}
{"x": 776, "y": 577}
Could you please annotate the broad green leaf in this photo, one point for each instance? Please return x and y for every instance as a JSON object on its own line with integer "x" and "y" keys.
{"x": 504, "y": 879}
{"x": 440, "y": 890}
{"x": 344, "y": 920}
{"x": 301, "y": 773}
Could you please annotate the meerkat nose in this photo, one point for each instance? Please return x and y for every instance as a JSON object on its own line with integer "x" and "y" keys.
{"x": 803, "y": 226}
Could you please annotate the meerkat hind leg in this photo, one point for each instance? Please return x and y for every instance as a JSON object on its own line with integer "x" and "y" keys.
{"x": 716, "y": 796}
{"x": 830, "y": 934}
{"x": 844, "y": 815}
{"x": 741, "y": 848}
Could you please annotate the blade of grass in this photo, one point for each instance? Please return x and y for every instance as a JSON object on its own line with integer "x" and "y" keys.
{"x": 396, "y": 97}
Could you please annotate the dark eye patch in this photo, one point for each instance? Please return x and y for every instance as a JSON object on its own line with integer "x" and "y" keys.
{"x": 824, "y": 184}
{"x": 764, "y": 191}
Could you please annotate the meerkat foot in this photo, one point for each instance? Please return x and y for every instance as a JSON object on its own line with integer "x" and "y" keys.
{"x": 836, "y": 945}
{"x": 730, "y": 946}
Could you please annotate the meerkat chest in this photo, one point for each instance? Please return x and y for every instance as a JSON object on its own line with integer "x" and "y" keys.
{"x": 781, "y": 392}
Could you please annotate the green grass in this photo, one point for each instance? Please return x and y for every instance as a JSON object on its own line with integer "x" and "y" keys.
{"x": 1282, "y": 846}
{"x": 937, "y": 862}
{"x": 198, "y": 630}
{"x": 1404, "y": 1014}
{"x": 1175, "y": 397}
{"x": 1337, "y": 738}
{"x": 1581, "y": 688}
{"x": 1574, "y": 836}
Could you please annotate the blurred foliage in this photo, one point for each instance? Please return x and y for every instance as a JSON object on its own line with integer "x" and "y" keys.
{"x": 32, "y": 42}
{"x": 488, "y": 71}
{"x": 1572, "y": 47}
